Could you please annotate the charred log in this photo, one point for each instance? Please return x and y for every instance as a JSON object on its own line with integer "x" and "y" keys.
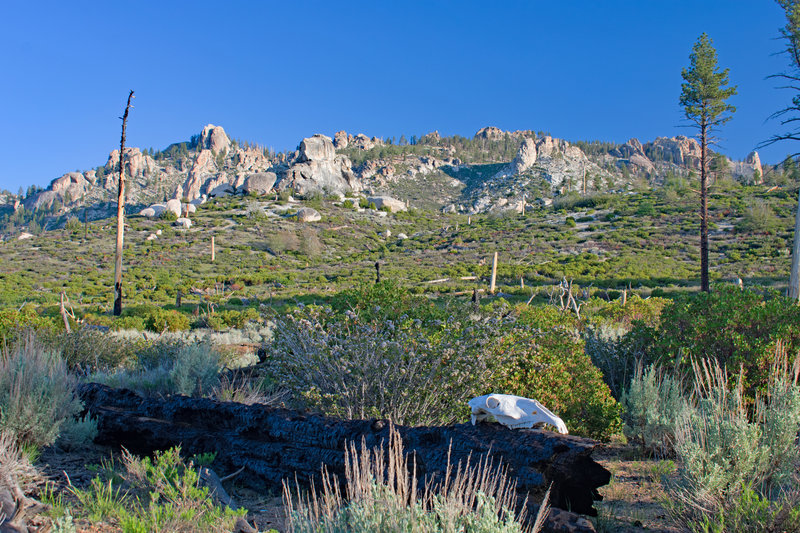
{"x": 272, "y": 444}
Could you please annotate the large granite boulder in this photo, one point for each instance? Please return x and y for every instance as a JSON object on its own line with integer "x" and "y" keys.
{"x": 392, "y": 203}
{"x": 318, "y": 168}
{"x": 214, "y": 138}
{"x": 525, "y": 158}
{"x": 259, "y": 183}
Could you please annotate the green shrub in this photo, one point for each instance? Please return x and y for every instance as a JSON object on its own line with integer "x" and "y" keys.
{"x": 653, "y": 403}
{"x": 737, "y": 468}
{"x": 348, "y": 204}
{"x": 543, "y": 359}
{"x": 738, "y": 328}
{"x": 190, "y": 369}
{"x": 162, "y": 494}
{"x": 160, "y": 320}
{"x": 226, "y": 319}
{"x": 91, "y": 349}
{"x": 13, "y": 321}
{"x": 168, "y": 216}
{"x": 195, "y": 370}
{"x": 37, "y": 393}
{"x": 356, "y": 367}
{"x": 570, "y": 222}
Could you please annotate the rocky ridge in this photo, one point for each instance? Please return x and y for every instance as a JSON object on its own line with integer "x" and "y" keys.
{"x": 212, "y": 165}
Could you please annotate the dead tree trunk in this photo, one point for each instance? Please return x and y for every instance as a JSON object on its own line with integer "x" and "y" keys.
{"x": 120, "y": 215}
{"x": 794, "y": 278}
{"x": 276, "y": 444}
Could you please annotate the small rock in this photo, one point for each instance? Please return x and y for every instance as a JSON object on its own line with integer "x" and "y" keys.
{"x": 24, "y": 235}
{"x": 158, "y": 232}
{"x": 402, "y": 236}
{"x": 152, "y": 237}
{"x": 183, "y": 221}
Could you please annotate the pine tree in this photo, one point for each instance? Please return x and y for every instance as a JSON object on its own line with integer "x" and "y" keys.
{"x": 703, "y": 98}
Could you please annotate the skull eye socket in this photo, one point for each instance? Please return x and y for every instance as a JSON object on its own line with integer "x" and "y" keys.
{"x": 492, "y": 403}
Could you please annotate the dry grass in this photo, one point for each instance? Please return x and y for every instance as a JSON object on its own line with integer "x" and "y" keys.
{"x": 382, "y": 482}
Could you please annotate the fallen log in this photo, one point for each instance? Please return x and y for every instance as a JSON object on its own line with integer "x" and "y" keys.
{"x": 273, "y": 444}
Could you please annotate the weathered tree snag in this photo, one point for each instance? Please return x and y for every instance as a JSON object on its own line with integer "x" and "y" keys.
{"x": 120, "y": 214}
{"x": 275, "y": 444}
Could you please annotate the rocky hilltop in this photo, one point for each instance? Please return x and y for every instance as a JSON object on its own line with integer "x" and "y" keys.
{"x": 494, "y": 169}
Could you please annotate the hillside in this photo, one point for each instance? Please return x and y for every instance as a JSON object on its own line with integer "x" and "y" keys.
{"x": 494, "y": 170}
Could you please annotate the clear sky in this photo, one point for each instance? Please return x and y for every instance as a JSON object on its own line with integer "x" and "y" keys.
{"x": 273, "y": 73}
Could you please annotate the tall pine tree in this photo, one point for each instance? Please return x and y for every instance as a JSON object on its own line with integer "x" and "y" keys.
{"x": 703, "y": 97}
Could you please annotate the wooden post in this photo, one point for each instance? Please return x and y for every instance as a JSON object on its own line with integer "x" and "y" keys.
{"x": 377, "y": 271}
{"x": 178, "y": 298}
{"x": 120, "y": 215}
{"x": 469, "y": 221}
{"x": 494, "y": 274}
{"x": 521, "y": 282}
{"x": 64, "y": 313}
{"x": 213, "y": 252}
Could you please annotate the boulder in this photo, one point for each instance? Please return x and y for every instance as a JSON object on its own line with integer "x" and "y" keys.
{"x": 340, "y": 139}
{"x": 402, "y": 236}
{"x": 158, "y": 209}
{"x": 174, "y": 206}
{"x": 183, "y": 222}
{"x": 24, "y": 235}
{"x": 148, "y": 212}
{"x": 393, "y": 204}
{"x": 260, "y": 183}
{"x": 490, "y": 133}
{"x": 316, "y": 148}
{"x": 221, "y": 190}
{"x": 190, "y": 208}
{"x": 202, "y": 168}
{"x": 214, "y": 138}
{"x": 307, "y": 214}
{"x": 525, "y": 158}
{"x": 152, "y": 237}
{"x": 318, "y": 168}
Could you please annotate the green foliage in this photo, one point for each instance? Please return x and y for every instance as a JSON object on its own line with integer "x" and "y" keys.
{"x": 159, "y": 494}
{"x": 158, "y": 319}
{"x": 543, "y": 358}
{"x": 759, "y": 218}
{"x": 705, "y": 89}
{"x": 37, "y": 393}
{"x": 348, "y": 204}
{"x": 168, "y": 216}
{"x": 181, "y": 369}
{"x": 570, "y": 222}
{"x": 227, "y": 319}
{"x": 653, "y": 403}
{"x": 358, "y": 367}
{"x": 738, "y": 469}
{"x": 738, "y": 328}
{"x": 13, "y": 321}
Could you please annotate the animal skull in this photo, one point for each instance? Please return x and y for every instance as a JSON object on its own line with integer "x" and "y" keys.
{"x": 514, "y": 412}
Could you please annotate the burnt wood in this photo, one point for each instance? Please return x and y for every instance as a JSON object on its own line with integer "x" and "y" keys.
{"x": 275, "y": 444}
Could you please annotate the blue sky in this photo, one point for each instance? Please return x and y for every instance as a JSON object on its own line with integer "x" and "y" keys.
{"x": 273, "y": 73}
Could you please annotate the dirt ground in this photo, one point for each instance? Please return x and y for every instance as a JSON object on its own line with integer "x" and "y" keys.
{"x": 633, "y": 501}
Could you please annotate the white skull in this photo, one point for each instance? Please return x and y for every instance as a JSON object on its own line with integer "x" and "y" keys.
{"x": 514, "y": 412}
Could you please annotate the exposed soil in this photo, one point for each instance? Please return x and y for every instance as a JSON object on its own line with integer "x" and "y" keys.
{"x": 634, "y": 500}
